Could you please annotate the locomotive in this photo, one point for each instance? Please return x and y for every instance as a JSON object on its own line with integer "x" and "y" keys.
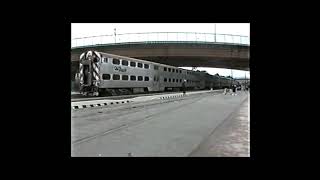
{"x": 103, "y": 74}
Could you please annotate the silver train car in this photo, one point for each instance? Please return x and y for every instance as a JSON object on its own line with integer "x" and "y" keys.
{"x": 109, "y": 74}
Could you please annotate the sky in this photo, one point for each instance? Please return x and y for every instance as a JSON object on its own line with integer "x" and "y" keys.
{"x": 79, "y": 30}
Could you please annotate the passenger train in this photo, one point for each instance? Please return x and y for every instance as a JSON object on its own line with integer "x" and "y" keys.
{"x": 103, "y": 74}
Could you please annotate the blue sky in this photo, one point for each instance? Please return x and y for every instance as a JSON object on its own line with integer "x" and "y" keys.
{"x": 95, "y": 29}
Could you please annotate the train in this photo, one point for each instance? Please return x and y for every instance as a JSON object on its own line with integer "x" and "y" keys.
{"x": 103, "y": 74}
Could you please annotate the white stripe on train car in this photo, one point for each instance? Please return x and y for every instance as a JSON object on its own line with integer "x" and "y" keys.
{"x": 96, "y": 68}
{"x": 97, "y": 54}
{"x": 96, "y": 71}
{"x": 81, "y": 73}
{"x": 96, "y": 77}
{"x": 81, "y": 56}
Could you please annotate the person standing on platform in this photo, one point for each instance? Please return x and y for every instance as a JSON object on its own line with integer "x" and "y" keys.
{"x": 233, "y": 90}
{"x": 184, "y": 87}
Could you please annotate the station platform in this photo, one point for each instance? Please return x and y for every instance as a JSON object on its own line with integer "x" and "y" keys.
{"x": 231, "y": 138}
{"x": 112, "y": 102}
{"x": 165, "y": 128}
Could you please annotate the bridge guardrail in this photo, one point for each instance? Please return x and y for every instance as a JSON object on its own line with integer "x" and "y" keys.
{"x": 160, "y": 37}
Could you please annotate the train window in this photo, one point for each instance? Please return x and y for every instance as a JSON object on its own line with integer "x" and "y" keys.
{"x": 169, "y": 69}
{"x": 133, "y": 64}
{"x": 140, "y": 78}
{"x": 164, "y": 69}
{"x": 146, "y": 66}
{"x": 125, "y": 77}
{"x": 140, "y": 65}
{"x": 156, "y": 67}
{"x": 165, "y": 80}
{"x": 105, "y": 60}
{"x": 169, "y": 79}
{"x": 125, "y": 62}
{"x": 116, "y": 61}
{"x": 132, "y": 78}
{"x": 146, "y": 78}
{"x": 106, "y": 76}
{"x": 116, "y": 77}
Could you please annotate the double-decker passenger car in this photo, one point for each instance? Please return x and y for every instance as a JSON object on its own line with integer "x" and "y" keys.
{"x": 103, "y": 73}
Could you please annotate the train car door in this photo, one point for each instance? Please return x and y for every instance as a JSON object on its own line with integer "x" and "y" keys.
{"x": 156, "y": 79}
{"x": 86, "y": 74}
{"x": 156, "y": 83}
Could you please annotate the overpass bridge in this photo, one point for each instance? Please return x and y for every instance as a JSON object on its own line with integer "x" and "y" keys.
{"x": 173, "y": 48}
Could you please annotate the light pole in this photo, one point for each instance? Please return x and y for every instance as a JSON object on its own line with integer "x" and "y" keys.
{"x": 115, "y": 35}
{"x": 215, "y": 33}
{"x": 231, "y": 78}
{"x": 245, "y": 80}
